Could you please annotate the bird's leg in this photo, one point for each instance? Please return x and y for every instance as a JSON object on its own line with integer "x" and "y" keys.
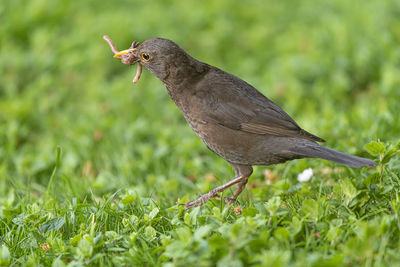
{"x": 213, "y": 193}
{"x": 240, "y": 187}
{"x": 242, "y": 173}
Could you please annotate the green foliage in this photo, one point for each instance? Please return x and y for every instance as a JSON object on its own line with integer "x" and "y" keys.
{"x": 93, "y": 168}
{"x": 375, "y": 148}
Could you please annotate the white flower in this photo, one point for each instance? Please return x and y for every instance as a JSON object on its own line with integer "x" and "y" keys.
{"x": 305, "y": 175}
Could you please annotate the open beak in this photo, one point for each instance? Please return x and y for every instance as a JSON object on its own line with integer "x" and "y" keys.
{"x": 124, "y": 52}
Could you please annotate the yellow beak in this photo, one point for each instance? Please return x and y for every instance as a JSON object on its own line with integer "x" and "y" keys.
{"x": 124, "y": 52}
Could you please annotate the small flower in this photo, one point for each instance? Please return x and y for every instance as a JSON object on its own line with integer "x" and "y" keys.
{"x": 237, "y": 210}
{"x": 305, "y": 176}
{"x": 210, "y": 177}
{"x": 97, "y": 135}
{"x": 269, "y": 176}
{"x": 45, "y": 246}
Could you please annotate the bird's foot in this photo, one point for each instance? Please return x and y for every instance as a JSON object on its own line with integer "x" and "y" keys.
{"x": 206, "y": 197}
{"x": 242, "y": 179}
{"x": 201, "y": 200}
{"x": 228, "y": 200}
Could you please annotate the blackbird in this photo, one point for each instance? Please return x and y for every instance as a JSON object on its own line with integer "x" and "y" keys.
{"x": 232, "y": 118}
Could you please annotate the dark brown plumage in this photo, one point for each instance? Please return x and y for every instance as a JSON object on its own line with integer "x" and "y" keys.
{"x": 232, "y": 118}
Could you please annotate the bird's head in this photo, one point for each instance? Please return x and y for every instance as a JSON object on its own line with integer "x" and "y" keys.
{"x": 159, "y": 56}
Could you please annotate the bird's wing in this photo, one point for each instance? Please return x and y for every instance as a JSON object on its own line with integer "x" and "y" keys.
{"x": 240, "y": 106}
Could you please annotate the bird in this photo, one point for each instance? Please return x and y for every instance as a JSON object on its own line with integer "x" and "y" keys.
{"x": 232, "y": 118}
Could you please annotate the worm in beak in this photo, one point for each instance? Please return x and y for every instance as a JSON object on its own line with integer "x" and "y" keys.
{"x": 127, "y": 56}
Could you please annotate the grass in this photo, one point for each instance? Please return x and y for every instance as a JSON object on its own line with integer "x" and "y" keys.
{"x": 92, "y": 167}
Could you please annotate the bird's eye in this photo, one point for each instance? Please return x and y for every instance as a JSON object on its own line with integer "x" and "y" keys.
{"x": 145, "y": 56}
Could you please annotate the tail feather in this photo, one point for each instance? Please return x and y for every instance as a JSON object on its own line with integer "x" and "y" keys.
{"x": 315, "y": 150}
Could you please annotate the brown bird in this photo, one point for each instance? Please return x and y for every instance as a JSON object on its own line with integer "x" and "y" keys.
{"x": 232, "y": 118}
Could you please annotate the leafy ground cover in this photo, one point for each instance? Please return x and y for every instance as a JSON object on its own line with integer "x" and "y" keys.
{"x": 92, "y": 168}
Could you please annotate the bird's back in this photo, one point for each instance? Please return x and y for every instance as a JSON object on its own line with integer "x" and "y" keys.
{"x": 236, "y": 121}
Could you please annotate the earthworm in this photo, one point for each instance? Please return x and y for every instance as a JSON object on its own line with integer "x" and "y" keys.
{"x": 138, "y": 73}
{"x": 126, "y": 59}
{"x": 111, "y": 44}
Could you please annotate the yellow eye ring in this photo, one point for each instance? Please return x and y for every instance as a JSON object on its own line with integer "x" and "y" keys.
{"x": 145, "y": 56}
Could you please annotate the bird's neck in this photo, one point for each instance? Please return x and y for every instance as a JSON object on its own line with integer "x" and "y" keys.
{"x": 184, "y": 74}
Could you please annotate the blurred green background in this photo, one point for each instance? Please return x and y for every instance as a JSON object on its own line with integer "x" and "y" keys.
{"x": 334, "y": 66}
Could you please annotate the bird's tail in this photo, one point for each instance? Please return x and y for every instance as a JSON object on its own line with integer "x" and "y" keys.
{"x": 314, "y": 150}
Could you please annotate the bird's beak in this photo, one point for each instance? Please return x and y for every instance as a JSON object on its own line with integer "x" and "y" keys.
{"x": 127, "y": 56}
{"x": 124, "y": 52}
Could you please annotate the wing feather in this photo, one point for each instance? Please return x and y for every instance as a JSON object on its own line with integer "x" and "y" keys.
{"x": 244, "y": 108}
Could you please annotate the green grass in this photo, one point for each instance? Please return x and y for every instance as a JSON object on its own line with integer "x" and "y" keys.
{"x": 92, "y": 167}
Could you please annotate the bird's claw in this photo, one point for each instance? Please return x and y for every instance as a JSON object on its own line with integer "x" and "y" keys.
{"x": 206, "y": 197}
{"x": 228, "y": 200}
{"x": 198, "y": 202}
{"x": 201, "y": 200}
